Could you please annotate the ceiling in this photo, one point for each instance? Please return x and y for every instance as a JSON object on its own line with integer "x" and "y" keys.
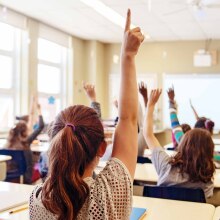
{"x": 75, "y": 18}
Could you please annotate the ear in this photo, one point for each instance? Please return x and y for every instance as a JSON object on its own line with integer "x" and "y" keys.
{"x": 102, "y": 149}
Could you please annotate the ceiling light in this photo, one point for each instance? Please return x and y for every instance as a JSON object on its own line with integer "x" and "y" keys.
{"x": 108, "y": 13}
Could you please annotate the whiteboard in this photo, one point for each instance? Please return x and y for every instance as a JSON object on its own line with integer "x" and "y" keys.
{"x": 114, "y": 85}
{"x": 202, "y": 89}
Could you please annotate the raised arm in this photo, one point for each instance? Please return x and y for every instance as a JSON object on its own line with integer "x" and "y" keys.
{"x": 33, "y": 106}
{"x": 91, "y": 94}
{"x": 125, "y": 138}
{"x": 143, "y": 91}
{"x": 194, "y": 110}
{"x": 175, "y": 125}
{"x": 149, "y": 136}
{"x": 40, "y": 127}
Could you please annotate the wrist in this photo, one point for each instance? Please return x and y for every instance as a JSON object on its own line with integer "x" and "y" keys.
{"x": 128, "y": 55}
{"x": 93, "y": 100}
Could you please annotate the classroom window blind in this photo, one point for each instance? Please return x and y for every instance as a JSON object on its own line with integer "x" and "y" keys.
{"x": 202, "y": 89}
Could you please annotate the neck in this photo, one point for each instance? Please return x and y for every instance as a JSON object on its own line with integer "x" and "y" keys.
{"x": 91, "y": 167}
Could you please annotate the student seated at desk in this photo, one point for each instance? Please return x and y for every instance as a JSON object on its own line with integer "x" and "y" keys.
{"x": 19, "y": 139}
{"x": 192, "y": 166}
{"x": 77, "y": 143}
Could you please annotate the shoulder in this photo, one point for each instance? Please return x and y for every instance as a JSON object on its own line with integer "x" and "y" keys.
{"x": 161, "y": 160}
{"x": 115, "y": 169}
{"x": 111, "y": 192}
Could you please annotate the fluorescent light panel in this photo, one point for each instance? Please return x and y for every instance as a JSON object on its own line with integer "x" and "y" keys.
{"x": 108, "y": 13}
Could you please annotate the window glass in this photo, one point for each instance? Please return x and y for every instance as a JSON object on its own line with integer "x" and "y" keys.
{"x": 6, "y": 72}
{"x": 49, "y": 78}
{"x": 6, "y": 112}
{"x": 7, "y": 37}
{"x": 49, "y": 51}
{"x": 49, "y": 108}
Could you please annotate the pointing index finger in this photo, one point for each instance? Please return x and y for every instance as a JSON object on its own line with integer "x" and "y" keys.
{"x": 128, "y": 21}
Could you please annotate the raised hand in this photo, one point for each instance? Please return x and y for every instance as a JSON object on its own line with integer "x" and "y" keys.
{"x": 154, "y": 96}
{"x": 171, "y": 94}
{"x": 143, "y": 91}
{"x": 90, "y": 91}
{"x": 132, "y": 37}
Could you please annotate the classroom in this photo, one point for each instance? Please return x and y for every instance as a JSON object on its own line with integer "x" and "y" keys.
{"x": 109, "y": 109}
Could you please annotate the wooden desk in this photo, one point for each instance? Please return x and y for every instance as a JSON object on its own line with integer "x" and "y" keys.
{"x": 4, "y": 158}
{"x": 216, "y": 141}
{"x": 147, "y": 173}
{"x": 148, "y": 152}
{"x": 163, "y": 209}
{"x": 13, "y": 195}
{"x": 217, "y": 213}
{"x": 19, "y": 215}
{"x": 42, "y": 147}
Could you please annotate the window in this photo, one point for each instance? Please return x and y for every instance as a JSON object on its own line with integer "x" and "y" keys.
{"x": 9, "y": 74}
{"x": 51, "y": 77}
{"x": 202, "y": 89}
{"x": 114, "y": 84}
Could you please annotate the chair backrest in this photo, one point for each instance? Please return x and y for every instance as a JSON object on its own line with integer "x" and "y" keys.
{"x": 18, "y": 162}
{"x": 143, "y": 160}
{"x": 175, "y": 193}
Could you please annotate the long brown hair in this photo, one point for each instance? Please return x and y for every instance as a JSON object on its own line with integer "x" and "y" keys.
{"x": 195, "y": 156}
{"x": 72, "y": 149}
{"x": 17, "y": 136}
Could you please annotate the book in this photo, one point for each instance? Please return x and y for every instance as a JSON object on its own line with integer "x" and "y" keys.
{"x": 137, "y": 213}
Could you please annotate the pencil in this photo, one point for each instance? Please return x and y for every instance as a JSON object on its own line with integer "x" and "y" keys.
{"x": 18, "y": 210}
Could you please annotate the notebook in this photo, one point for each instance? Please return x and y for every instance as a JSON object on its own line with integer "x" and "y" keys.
{"x": 137, "y": 213}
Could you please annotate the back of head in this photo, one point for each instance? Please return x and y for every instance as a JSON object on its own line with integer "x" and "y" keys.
{"x": 17, "y": 136}
{"x": 76, "y": 135}
{"x": 205, "y": 124}
{"x": 195, "y": 155}
{"x": 185, "y": 128}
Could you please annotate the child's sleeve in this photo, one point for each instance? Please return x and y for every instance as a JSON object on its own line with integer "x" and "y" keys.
{"x": 176, "y": 128}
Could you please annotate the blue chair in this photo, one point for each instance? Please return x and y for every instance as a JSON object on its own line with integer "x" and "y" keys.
{"x": 17, "y": 164}
{"x": 175, "y": 193}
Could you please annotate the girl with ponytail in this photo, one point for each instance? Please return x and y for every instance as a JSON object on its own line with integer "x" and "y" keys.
{"x": 77, "y": 142}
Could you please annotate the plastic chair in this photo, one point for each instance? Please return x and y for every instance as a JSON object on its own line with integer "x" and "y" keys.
{"x": 17, "y": 165}
{"x": 175, "y": 193}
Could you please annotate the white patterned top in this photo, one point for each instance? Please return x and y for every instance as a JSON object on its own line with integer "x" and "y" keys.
{"x": 110, "y": 196}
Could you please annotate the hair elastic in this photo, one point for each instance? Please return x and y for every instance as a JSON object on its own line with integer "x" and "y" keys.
{"x": 71, "y": 125}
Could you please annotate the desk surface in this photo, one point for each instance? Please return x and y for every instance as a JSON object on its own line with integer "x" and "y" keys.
{"x": 157, "y": 209}
{"x": 4, "y": 158}
{"x": 13, "y": 195}
{"x": 42, "y": 147}
{"x": 217, "y": 213}
{"x": 147, "y": 173}
{"x": 23, "y": 214}
{"x": 216, "y": 142}
{"x": 163, "y": 209}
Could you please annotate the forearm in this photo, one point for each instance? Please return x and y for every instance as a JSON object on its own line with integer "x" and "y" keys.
{"x": 128, "y": 100}
{"x": 175, "y": 125}
{"x": 195, "y": 113}
{"x": 150, "y": 138}
{"x": 145, "y": 101}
